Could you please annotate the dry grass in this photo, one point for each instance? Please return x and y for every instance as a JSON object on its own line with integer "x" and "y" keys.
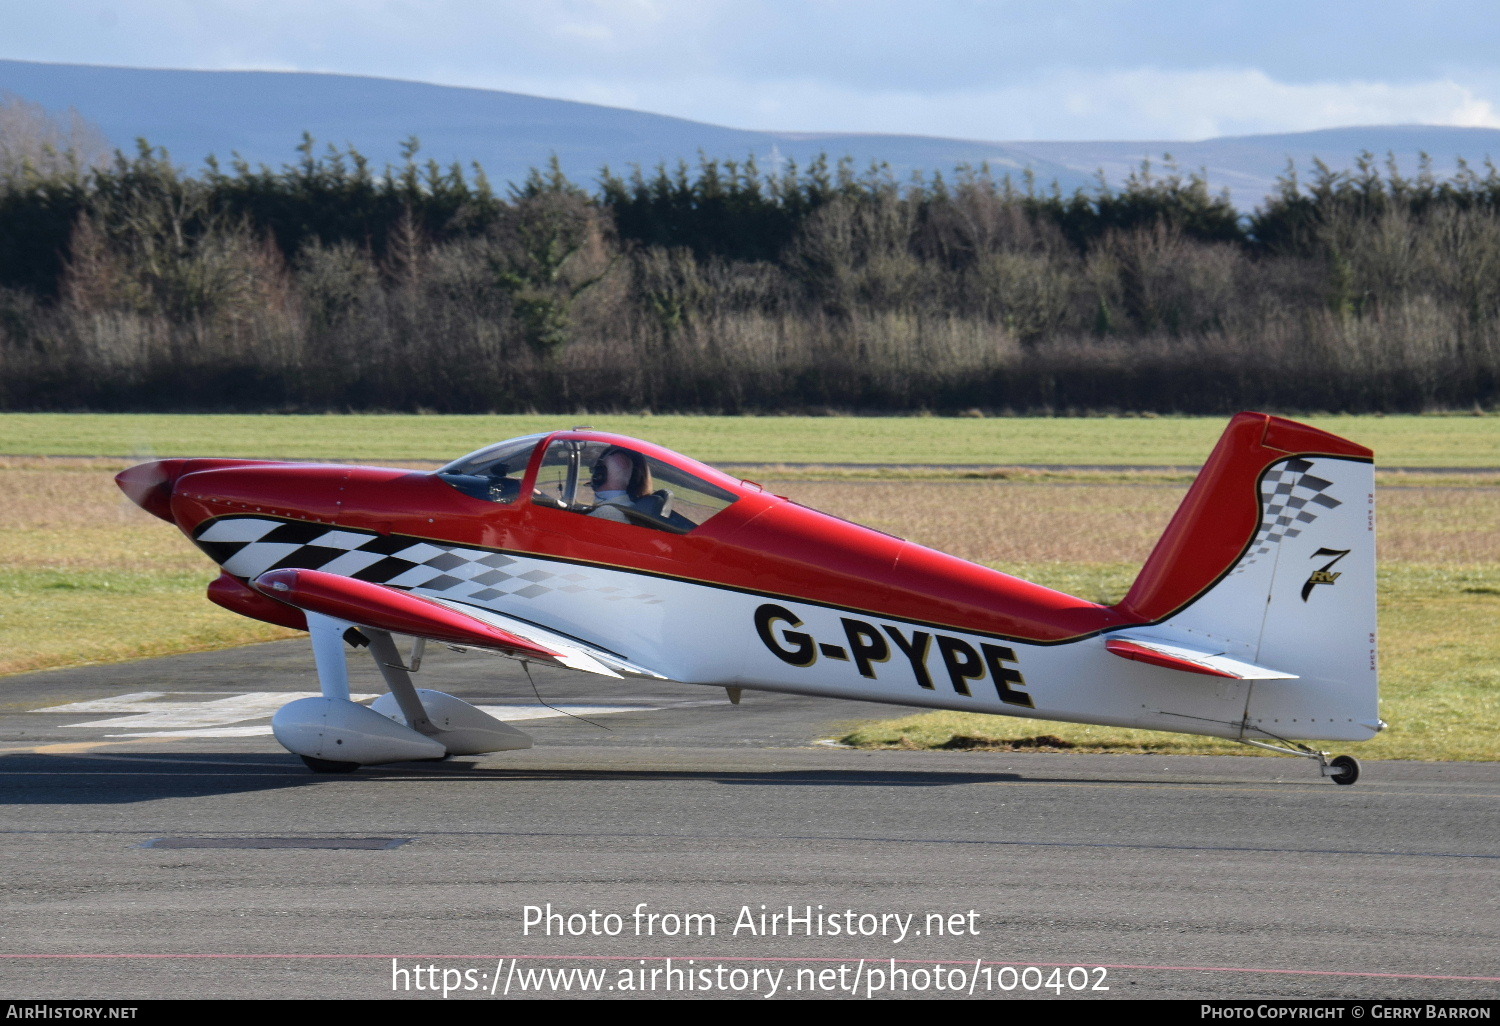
{"x": 86, "y": 576}
{"x": 1008, "y": 523}
{"x": 65, "y": 516}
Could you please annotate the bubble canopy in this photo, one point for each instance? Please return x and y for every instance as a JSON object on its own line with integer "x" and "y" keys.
{"x": 606, "y": 476}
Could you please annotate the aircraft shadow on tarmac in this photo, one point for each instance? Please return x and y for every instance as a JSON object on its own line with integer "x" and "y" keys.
{"x": 108, "y": 779}
{"x": 52, "y": 779}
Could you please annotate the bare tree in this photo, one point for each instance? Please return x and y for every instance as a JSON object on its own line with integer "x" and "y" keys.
{"x": 35, "y": 142}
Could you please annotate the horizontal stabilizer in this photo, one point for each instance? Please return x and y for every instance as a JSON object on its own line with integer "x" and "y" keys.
{"x": 1189, "y": 660}
{"x": 381, "y": 607}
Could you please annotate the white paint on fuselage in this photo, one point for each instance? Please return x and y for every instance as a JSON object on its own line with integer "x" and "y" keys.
{"x": 704, "y": 634}
{"x": 707, "y": 635}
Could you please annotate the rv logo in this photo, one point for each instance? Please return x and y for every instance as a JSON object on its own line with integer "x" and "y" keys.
{"x": 1324, "y": 574}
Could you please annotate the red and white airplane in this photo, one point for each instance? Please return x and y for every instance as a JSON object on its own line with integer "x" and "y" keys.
{"x": 1253, "y": 619}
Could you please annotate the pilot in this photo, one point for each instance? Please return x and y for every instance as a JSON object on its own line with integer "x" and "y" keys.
{"x": 622, "y": 478}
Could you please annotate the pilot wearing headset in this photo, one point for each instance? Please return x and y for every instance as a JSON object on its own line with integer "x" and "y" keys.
{"x": 621, "y": 480}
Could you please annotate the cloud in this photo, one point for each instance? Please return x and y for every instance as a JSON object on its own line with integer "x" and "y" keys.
{"x": 1201, "y": 104}
{"x": 1138, "y": 104}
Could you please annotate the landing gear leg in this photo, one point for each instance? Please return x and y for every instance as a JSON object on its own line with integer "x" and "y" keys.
{"x": 1341, "y": 769}
{"x": 333, "y": 678}
{"x": 398, "y": 679}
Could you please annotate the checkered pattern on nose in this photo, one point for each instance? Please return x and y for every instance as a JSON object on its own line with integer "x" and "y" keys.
{"x": 1290, "y": 500}
{"x": 248, "y": 546}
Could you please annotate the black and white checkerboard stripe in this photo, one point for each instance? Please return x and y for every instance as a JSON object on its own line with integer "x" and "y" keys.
{"x": 248, "y": 546}
{"x": 1290, "y": 500}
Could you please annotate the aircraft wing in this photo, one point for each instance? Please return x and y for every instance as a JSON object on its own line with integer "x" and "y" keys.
{"x": 381, "y": 607}
{"x": 1191, "y": 660}
{"x": 539, "y": 635}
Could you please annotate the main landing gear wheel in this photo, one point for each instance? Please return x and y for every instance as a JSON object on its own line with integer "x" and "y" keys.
{"x": 330, "y": 766}
{"x": 1345, "y": 769}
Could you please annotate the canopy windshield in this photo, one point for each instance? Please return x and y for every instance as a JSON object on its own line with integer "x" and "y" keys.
{"x": 493, "y": 473}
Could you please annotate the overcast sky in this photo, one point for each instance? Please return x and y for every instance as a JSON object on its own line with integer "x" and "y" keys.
{"x": 977, "y": 69}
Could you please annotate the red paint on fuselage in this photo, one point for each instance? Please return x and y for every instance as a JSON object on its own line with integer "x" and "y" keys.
{"x": 761, "y": 543}
{"x": 151, "y": 485}
{"x": 799, "y": 552}
{"x": 296, "y": 491}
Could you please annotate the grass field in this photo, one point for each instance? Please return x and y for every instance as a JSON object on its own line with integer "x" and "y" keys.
{"x": 87, "y": 577}
{"x": 1405, "y": 441}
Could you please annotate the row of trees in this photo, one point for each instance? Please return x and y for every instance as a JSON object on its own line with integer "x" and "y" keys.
{"x": 326, "y": 284}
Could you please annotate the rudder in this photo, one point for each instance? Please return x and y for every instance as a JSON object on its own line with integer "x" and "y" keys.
{"x": 1270, "y": 559}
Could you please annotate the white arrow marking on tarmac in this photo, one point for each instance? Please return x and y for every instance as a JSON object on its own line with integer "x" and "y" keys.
{"x": 212, "y": 718}
{"x": 540, "y": 712}
{"x": 151, "y": 709}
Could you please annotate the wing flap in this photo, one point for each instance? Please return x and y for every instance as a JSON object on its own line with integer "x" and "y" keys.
{"x": 382, "y": 607}
{"x": 1190, "y": 660}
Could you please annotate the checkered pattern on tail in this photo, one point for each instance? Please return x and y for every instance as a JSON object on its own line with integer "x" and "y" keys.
{"x": 249, "y": 546}
{"x": 1290, "y": 500}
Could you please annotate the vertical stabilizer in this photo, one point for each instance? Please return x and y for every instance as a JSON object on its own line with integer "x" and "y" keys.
{"x": 1270, "y": 559}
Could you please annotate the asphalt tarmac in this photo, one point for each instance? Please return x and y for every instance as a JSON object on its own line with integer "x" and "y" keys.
{"x": 157, "y": 842}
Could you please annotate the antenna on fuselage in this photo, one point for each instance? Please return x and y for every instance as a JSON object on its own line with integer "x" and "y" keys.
{"x": 525, "y": 665}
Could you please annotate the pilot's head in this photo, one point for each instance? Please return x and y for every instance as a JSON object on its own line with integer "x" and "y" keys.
{"x": 621, "y": 470}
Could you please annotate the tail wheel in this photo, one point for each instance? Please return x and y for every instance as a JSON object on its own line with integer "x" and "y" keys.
{"x": 330, "y": 766}
{"x": 1345, "y": 769}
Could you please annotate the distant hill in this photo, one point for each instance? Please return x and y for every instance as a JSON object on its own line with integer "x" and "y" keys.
{"x": 262, "y": 115}
{"x": 1249, "y": 165}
